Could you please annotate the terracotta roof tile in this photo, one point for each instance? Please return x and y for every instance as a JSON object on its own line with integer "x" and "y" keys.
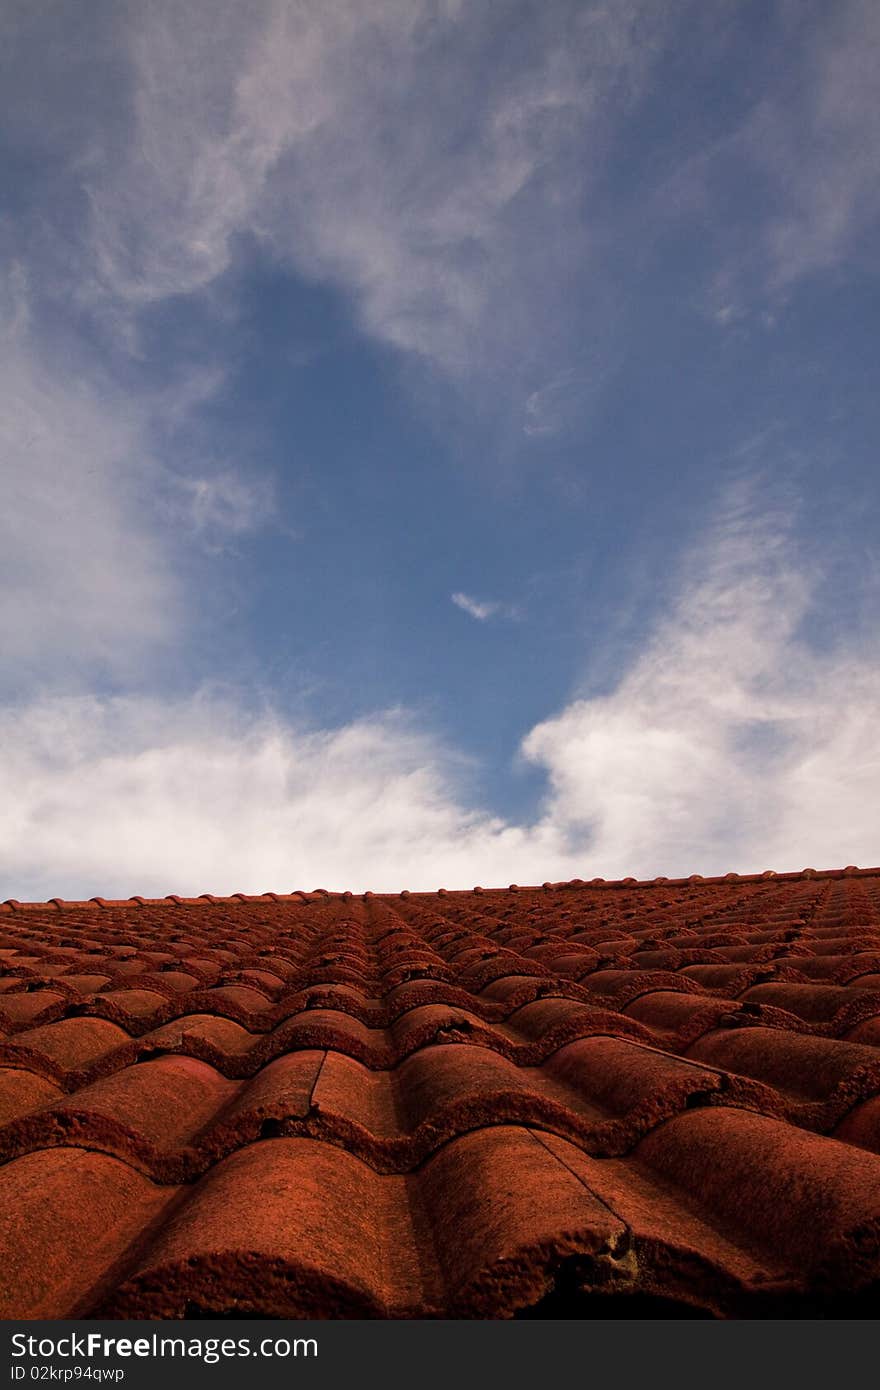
{"x": 484, "y": 1103}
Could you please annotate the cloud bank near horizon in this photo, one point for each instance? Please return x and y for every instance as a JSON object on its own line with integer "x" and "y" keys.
{"x": 729, "y": 744}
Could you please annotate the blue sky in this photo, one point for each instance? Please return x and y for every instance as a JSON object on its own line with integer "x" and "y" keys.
{"x": 438, "y": 442}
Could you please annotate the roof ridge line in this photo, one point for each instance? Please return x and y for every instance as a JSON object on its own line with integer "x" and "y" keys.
{"x": 321, "y": 894}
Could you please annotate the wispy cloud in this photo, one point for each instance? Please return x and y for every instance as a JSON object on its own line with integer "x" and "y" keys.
{"x": 444, "y": 201}
{"x": 484, "y": 609}
{"x": 568, "y": 396}
{"x": 804, "y": 154}
{"x": 226, "y": 502}
{"x": 93, "y": 511}
{"x": 481, "y": 610}
{"x": 816, "y": 140}
{"x": 545, "y": 408}
{"x": 80, "y": 555}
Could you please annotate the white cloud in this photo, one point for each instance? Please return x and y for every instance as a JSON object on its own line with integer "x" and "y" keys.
{"x": 477, "y": 609}
{"x": 729, "y": 744}
{"x": 484, "y": 609}
{"x": 132, "y": 795}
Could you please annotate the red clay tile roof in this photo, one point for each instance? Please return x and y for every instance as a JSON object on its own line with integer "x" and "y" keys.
{"x": 569, "y": 1100}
